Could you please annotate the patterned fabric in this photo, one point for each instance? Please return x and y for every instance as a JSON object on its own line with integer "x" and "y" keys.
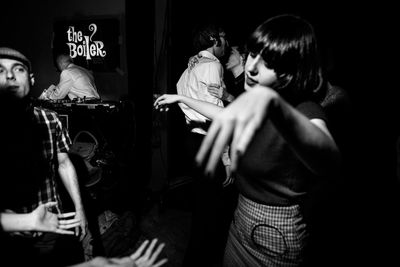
{"x": 10, "y": 53}
{"x": 262, "y": 235}
{"x": 55, "y": 140}
{"x": 193, "y": 83}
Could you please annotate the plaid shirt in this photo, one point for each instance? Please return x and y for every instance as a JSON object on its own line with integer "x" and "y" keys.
{"x": 55, "y": 140}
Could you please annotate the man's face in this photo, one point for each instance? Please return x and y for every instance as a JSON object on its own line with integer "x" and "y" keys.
{"x": 220, "y": 50}
{"x": 14, "y": 77}
{"x": 234, "y": 59}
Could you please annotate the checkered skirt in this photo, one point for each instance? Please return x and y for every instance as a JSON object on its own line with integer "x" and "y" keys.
{"x": 262, "y": 235}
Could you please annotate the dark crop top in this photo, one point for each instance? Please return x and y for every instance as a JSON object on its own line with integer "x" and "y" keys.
{"x": 269, "y": 172}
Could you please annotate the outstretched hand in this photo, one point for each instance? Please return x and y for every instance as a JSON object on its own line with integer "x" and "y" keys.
{"x": 237, "y": 124}
{"x": 148, "y": 258}
{"x": 137, "y": 259}
{"x": 47, "y": 221}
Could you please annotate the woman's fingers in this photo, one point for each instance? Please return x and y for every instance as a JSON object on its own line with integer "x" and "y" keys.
{"x": 242, "y": 141}
{"x": 66, "y": 215}
{"x": 68, "y": 224}
{"x": 139, "y": 251}
{"x": 247, "y": 135}
{"x": 161, "y": 262}
{"x": 150, "y": 248}
{"x": 64, "y": 232}
{"x": 157, "y": 252}
{"x": 221, "y": 140}
{"x": 207, "y": 143}
{"x": 234, "y": 153}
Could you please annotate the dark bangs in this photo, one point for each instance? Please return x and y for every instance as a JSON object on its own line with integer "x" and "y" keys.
{"x": 288, "y": 46}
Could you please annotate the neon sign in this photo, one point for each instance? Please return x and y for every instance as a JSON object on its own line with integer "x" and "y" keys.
{"x": 84, "y": 45}
{"x": 92, "y": 42}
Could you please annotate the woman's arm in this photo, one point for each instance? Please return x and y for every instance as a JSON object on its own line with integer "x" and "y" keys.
{"x": 205, "y": 108}
{"x": 309, "y": 139}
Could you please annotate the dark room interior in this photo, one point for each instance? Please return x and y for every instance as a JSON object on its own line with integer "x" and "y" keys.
{"x": 144, "y": 190}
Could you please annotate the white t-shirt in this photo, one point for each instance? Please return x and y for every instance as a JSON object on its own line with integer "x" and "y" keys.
{"x": 193, "y": 83}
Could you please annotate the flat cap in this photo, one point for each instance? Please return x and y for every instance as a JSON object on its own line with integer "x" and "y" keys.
{"x": 10, "y": 53}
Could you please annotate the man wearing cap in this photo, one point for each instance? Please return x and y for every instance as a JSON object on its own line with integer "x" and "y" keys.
{"x": 75, "y": 82}
{"x": 16, "y": 79}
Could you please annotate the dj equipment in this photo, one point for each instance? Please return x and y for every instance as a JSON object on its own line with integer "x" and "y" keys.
{"x": 111, "y": 122}
{"x": 64, "y": 105}
{"x": 81, "y": 113}
{"x": 101, "y": 132}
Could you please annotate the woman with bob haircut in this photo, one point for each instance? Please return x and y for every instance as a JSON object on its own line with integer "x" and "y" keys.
{"x": 280, "y": 145}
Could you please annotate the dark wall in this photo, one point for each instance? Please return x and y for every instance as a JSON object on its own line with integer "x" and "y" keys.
{"x": 140, "y": 63}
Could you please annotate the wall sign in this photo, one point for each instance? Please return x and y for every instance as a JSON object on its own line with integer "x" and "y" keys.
{"x": 92, "y": 43}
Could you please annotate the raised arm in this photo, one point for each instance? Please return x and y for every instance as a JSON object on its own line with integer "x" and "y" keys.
{"x": 310, "y": 139}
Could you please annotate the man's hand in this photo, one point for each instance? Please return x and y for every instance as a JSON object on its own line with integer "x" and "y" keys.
{"x": 215, "y": 90}
{"x": 82, "y": 228}
{"x": 220, "y": 92}
{"x": 43, "y": 95}
{"x": 46, "y": 221}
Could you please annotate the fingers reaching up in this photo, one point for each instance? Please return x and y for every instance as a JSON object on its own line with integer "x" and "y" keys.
{"x": 149, "y": 257}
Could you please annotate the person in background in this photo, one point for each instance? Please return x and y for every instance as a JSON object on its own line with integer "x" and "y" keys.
{"x": 235, "y": 70}
{"x": 280, "y": 144}
{"x": 36, "y": 146}
{"x": 42, "y": 220}
{"x": 210, "y": 44}
{"x": 23, "y": 160}
{"x": 75, "y": 82}
{"x": 233, "y": 77}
